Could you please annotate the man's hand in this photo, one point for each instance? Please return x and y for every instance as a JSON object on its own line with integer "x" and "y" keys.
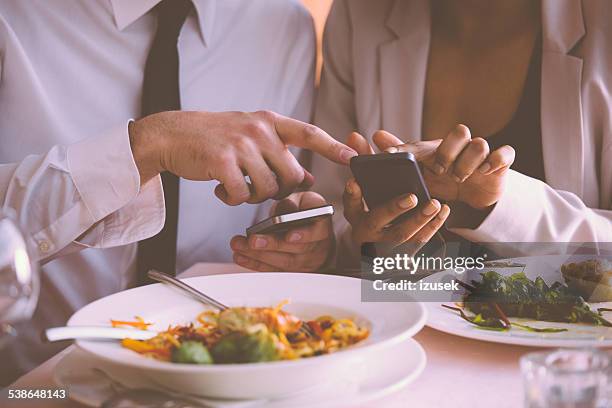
{"x": 302, "y": 249}
{"x": 457, "y": 168}
{"x": 227, "y": 146}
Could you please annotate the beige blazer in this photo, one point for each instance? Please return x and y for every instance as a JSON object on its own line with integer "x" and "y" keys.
{"x": 375, "y": 55}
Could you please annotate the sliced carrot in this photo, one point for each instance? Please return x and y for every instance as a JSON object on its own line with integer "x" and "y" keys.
{"x": 137, "y": 345}
{"x": 139, "y": 323}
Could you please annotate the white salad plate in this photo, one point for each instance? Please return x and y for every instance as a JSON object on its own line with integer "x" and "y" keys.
{"x": 549, "y": 268}
{"x": 385, "y": 374}
{"x": 310, "y": 295}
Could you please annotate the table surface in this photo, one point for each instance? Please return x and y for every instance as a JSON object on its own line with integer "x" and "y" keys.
{"x": 454, "y": 366}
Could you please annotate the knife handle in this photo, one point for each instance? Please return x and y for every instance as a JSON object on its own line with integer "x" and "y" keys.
{"x": 95, "y": 333}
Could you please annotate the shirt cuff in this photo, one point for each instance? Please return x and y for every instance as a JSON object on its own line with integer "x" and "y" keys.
{"x": 520, "y": 201}
{"x": 107, "y": 179}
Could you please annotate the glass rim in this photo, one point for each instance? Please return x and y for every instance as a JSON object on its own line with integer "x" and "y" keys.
{"x": 538, "y": 360}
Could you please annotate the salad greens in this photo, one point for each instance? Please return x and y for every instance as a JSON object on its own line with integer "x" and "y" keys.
{"x": 519, "y": 296}
{"x": 240, "y": 347}
{"x": 489, "y": 323}
{"x": 191, "y": 352}
{"x": 496, "y": 297}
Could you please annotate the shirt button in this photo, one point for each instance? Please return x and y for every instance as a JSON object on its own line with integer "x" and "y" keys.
{"x": 43, "y": 246}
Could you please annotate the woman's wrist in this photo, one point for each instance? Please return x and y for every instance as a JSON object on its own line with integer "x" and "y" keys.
{"x": 464, "y": 216}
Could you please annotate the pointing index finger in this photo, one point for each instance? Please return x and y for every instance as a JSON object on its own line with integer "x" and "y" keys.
{"x": 296, "y": 133}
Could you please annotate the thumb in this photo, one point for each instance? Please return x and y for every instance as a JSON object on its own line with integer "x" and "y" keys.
{"x": 423, "y": 151}
{"x": 310, "y": 199}
{"x": 353, "y": 202}
{"x": 384, "y": 140}
{"x": 286, "y": 205}
{"x": 359, "y": 143}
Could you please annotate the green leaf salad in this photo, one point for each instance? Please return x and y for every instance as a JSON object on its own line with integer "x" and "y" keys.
{"x": 496, "y": 297}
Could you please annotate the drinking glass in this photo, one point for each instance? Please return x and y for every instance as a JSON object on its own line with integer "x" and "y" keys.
{"x": 567, "y": 378}
{"x": 19, "y": 279}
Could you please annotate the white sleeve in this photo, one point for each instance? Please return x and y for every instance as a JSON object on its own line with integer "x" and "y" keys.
{"x": 83, "y": 195}
{"x": 335, "y": 113}
{"x": 300, "y": 84}
{"x": 532, "y": 211}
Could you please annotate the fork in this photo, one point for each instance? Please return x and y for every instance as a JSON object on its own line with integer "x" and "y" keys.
{"x": 202, "y": 297}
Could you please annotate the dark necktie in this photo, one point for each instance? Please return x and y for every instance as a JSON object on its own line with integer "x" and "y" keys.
{"x": 161, "y": 93}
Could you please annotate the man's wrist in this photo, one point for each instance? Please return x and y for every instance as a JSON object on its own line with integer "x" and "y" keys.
{"x": 145, "y": 150}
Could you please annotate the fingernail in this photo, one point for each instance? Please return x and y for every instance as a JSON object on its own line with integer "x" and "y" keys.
{"x": 457, "y": 178}
{"x": 408, "y": 201}
{"x": 240, "y": 245}
{"x": 431, "y": 207}
{"x": 438, "y": 168}
{"x": 260, "y": 242}
{"x": 349, "y": 188}
{"x": 294, "y": 237}
{"x": 484, "y": 167}
{"x": 444, "y": 211}
{"x": 392, "y": 150}
{"x": 346, "y": 155}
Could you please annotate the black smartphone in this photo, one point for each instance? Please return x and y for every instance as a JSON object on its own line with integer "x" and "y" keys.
{"x": 383, "y": 177}
{"x": 284, "y": 222}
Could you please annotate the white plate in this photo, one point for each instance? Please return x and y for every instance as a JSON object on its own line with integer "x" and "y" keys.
{"x": 548, "y": 267}
{"x": 311, "y": 295}
{"x": 384, "y": 377}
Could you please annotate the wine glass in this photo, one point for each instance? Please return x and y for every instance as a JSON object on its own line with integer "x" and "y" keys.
{"x": 19, "y": 279}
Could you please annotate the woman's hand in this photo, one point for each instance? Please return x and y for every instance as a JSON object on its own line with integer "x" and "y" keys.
{"x": 371, "y": 225}
{"x": 457, "y": 168}
{"x": 301, "y": 249}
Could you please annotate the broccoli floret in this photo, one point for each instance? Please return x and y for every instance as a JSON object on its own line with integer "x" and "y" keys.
{"x": 240, "y": 347}
{"x": 191, "y": 352}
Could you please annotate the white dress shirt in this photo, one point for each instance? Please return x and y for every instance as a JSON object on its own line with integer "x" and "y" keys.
{"x": 71, "y": 75}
